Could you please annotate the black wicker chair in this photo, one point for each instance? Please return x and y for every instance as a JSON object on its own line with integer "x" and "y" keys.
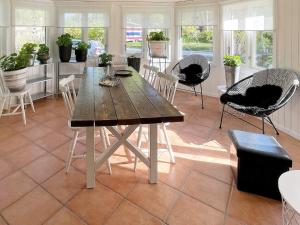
{"x": 192, "y": 71}
{"x": 279, "y": 86}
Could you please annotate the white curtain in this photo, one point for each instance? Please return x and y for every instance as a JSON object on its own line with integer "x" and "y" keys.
{"x": 33, "y": 14}
{"x": 196, "y": 16}
{"x": 143, "y": 17}
{"x": 5, "y": 13}
{"x": 251, "y": 15}
{"x": 87, "y": 17}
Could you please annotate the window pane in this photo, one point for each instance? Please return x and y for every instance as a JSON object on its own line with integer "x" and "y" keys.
{"x": 134, "y": 40}
{"x": 240, "y": 45}
{"x": 197, "y": 40}
{"x": 76, "y": 34}
{"x": 96, "y": 38}
{"x": 264, "y": 49}
{"x": 29, "y": 34}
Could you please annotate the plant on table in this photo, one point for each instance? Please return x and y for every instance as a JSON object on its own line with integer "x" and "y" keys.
{"x": 81, "y": 51}
{"x": 30, "y": 50}
{"x": 43, "y": 53}
{"x": 64, "y": 43}
{"x": 105, "y": 59}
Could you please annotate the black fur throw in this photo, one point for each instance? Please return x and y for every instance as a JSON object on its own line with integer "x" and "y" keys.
{"x": 191, "y": 72}
{"x": 262, "y": 96}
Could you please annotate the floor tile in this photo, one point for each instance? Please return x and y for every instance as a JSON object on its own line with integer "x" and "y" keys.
{"x": 63, "y": 150}
{"x": 155, "y": 198}
{"x": 43, "y": 117}
{"x": 33, "y": 209}
{"x": 192, "y": 212}
{"x": 44, "y": 167}
{"x": 233, "y": 221}
{"x": 36, "y": 132}
{"x": 253, "y": 209}
{"x": 12, "y": 143}
{"x": 52, "y": 141}
{"x": 2, "y": 222}
{"x": 25, "y": 155}
{"x": 128, "y": 213}
{"x": 6, "y": 132}
{"x": 13, "y": 187}
{"x": 208, "y": 190}
{"x": 57, "y": 123}
{"x": 65, "y": 185}
{"x": 65, "y": 217}
{"x": 95, "y": 205}
{"x": 6, "y": 168}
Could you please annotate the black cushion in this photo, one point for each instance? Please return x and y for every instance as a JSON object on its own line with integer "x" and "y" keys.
{"x": 191, "y": 72}
{"x": 261, "y": 96}
{"x": 258, "y": 145}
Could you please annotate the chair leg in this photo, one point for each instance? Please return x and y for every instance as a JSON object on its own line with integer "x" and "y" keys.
{"x": 104, "y": 141}
{"x": 201, "y": 95}
{"x": 222, "y": 117}
{"x": 2, "y": 103}
{"x": 9, "y": 105}
{"x": 194, "y": 88}
{"x": 269, "y": 119}
{"x": 139, "y": 140}
{"x": 169, "y": 146}
{"x": 71, "y": 151}
{"x": 31, "y": 102}
{"x": 23, "y": 108}
{"x": 135, "y": 163}
{"x": 263, "y": 124}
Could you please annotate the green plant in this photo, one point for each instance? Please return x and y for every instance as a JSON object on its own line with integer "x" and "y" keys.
{"x": 232, "y": 60}
{"x": 105, "y": 58}
{"x": 14, "y": 62}
{"x": 82, "y": 46}
{"x": 28, "y": 49}
{"x": 43, "y": 49}
{"x": 64, "y": 40}
{"x": 157, "y": 36}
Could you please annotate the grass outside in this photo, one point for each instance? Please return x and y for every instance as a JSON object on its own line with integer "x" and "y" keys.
{"x": 196, "y": 46}
{"x": 134, "y": 44}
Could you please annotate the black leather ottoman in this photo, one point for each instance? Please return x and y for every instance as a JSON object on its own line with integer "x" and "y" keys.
{"x": 257, "y": 162}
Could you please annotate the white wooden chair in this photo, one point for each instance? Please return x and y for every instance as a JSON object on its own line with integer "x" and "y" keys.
{"x": 6, "y": 97}
{"x": 69, "y": 96}
{"x": 150, "y": 74}
{"x": 166, "y": 86}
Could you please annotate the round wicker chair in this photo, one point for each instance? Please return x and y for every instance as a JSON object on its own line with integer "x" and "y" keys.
{"x": 285, "y": 79}
{"x": 195, "y": 78}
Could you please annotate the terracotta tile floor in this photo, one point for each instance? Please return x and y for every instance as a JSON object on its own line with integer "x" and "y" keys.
{"x": 197, "y": 190}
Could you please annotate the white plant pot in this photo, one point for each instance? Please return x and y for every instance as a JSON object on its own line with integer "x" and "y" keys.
{"x": 158, "y": 48}
{"x": 15, "y": 80}
{"x": 232, "y": 75}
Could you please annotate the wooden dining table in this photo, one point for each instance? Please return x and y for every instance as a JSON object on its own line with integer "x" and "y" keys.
{"x": 132, "y": 103}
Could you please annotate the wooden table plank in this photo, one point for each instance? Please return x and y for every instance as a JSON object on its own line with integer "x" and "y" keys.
{"x": 105, "y": 113}
{"x": 84, "y": 111}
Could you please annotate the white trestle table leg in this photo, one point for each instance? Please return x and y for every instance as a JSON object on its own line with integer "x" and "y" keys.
{"x": 90, "y": 157}
{"x": 153, "y": 154}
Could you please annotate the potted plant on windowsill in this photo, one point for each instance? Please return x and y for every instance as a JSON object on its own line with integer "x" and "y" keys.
{"x": 30, "y": 50}
{"x": 81, "y": 51}
{"x": 232, "y": 65}
{"x": 105, "y": 59}
{"x": 64, "y": 43}
{"x": 14, "y": 69}
{"x": 158, "y": 43}
{"x": 43, "y": 54}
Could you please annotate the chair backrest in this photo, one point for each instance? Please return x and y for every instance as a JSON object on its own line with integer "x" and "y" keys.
{"x": 286, "y": 79}
{"x": 4, "y": 91}
{"x": 167, "y": 85}
{"x": 193, "y": 59}
{"x": 150, "y": 74}
{"x": 69, "y": 94}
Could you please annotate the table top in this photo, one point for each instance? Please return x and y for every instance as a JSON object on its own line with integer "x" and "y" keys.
{"x": 289, "y": 187}
{"x": 133, "y": 101}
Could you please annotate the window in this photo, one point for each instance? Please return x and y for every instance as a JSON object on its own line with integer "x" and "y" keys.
{"x": 248, "y": 32}
{"x": 90, "y": 27}
{"x": 196, "y": 28}
{"x": 24, "y": 34}
{"x": 134, "y": 41}
{"x": 197, "y": 40}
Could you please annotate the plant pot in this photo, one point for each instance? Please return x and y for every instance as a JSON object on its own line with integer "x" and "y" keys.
{"x": 81, "y": 55}
{"x": 102, "y": 65}
{"x": 65, "y": 53}
{"x": 232, "y": 75}
{"x": 158, "y": 48}
{"x": 134, "y": 62}
{"x": 15, "y": 80}
{"x": 43, "y": 58}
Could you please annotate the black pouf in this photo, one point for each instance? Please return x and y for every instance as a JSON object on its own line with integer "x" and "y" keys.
{"x": 257, "y": 162}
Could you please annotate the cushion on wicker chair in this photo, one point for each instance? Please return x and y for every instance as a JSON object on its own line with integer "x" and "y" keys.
{"x": 191, "y": 72}
{"x": 260, "y": 96}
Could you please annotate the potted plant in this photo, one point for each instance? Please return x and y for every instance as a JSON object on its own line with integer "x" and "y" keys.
{"x": 232, "y": 65}
{"x": 105, "y": 59}
{"x": 43, "y": 54}
{"x": 134, "y": 62}
{"x": 158, "y": 42}
{"x": 81, "y": 51}
{"x": 30, "y": 50}
{"x": 14, "y": 70}
{"x": 64, "y": 43}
